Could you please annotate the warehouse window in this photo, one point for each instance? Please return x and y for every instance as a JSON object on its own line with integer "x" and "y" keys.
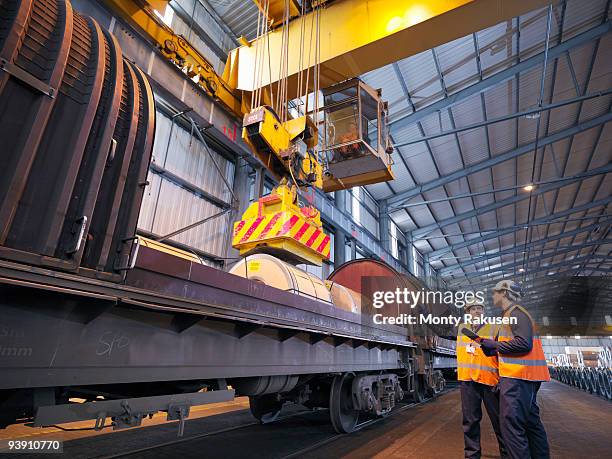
{"x": 348, "y": 251}
{"x": 393, "y": 230}
{"x": 401, "y": 253}
{"x": 356, "y": 205}
{"x": 416, "y": 265}
{"x": 364, "y": 210}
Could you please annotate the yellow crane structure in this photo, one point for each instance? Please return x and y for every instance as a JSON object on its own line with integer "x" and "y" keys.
{"x": 317, "y": 47}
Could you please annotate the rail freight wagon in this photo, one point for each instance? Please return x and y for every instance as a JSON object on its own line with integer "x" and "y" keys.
{"x": 89, "y": 310}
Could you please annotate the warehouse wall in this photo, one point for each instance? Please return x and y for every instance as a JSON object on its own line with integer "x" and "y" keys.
{"x": 169, "y": 203}
{"x": 180, "y": 197}
{"x": 556, "y": 344}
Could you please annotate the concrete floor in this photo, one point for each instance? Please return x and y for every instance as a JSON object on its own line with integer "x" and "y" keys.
{"x": 23, "y": 432}
{"x": 579, "y": 425}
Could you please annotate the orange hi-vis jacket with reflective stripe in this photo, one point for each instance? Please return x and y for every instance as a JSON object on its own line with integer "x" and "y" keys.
{"x": 531, "y": 366}
{"x": 476, "y": 366}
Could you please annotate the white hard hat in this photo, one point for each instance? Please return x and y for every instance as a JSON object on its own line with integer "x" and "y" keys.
{"x": 510, "y": 286}
{"x": 472, "y": 302}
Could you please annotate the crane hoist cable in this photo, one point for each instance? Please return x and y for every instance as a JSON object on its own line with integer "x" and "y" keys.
{"x": 279, "y": 95}
{"x": 263, "y": 26}
{"x": 270, "y": 86}
{"x": 318, "y": 73}
{"x": 256, "y": 58}
{"x": 301, "y": 55}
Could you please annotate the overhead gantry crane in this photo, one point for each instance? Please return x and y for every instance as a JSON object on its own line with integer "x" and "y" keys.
{"x": 305, "y": 48}
{"x": 132, "y": 335}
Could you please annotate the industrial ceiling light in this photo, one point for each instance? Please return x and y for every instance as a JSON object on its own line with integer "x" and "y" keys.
{"x": 521, "y": 270}
{"x": 532, "y": 116}
{"x": 529, "y": 187}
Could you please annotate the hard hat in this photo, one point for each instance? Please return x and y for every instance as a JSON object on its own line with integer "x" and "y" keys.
{"x": 472, "y": 302}
{"x": 509, "y": 285}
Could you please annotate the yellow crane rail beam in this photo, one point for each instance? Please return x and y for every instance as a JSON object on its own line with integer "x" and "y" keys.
{"x": 175, "y": 47}
{"x": 358, "y": 36}
{"x": 276, "y": 9}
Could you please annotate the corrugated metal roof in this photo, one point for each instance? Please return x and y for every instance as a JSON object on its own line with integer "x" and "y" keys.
{"x": 239, "y": 15}
{"x": 583, "y": 70}
{"x": 498, "y": 225}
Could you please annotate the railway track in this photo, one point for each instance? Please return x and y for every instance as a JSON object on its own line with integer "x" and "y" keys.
{"x": 312, "y": 425}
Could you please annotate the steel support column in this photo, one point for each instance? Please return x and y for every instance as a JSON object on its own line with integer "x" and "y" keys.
{"x": 260, "y": 180}
{"x": 384, "y": 226}
{"x": 241, "y": 191}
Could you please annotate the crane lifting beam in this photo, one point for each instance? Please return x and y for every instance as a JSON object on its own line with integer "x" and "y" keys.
{"x": 141, "y": 13}
{"x": 357, "y": 36}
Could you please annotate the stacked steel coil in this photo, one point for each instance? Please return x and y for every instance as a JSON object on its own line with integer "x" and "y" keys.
{"x": 77, "y": 122}
{"x": 593, "y": 379}
{"x": 361, "y": 273}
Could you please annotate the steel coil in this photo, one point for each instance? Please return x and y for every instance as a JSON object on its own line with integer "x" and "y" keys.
{"x": 77, "y": 124}
{"x": 595, "y": 380}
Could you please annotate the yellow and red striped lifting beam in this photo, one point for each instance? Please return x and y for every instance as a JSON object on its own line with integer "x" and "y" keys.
{"x": 275, "y": 224}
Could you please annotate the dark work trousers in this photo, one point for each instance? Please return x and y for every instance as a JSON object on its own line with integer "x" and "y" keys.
{"x": 473, "y": 395}
{"x": 522, "y": 429}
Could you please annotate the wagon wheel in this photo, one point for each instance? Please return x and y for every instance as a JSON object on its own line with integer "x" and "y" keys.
{"x": 265, "y": 408}
{"x": 341, "y": 411}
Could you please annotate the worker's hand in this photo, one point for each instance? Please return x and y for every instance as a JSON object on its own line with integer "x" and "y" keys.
{"x": 488, "y": 346}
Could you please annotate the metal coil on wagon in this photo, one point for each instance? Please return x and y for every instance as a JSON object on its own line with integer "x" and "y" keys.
{"x": 77, "y": 122}
{"x": 352, "y": 273}
{"x": 276, "y": 273}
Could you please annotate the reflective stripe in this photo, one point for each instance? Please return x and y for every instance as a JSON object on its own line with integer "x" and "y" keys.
{"x": 531, "y": 366}
{"x": 511, "y": 335}
{"x": 525, "y": 362}
{"x": 475, "y": 366}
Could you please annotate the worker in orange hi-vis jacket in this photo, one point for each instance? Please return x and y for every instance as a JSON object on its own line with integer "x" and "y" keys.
{"x": 522, "y": 369}
{"x": 478, "y": 376}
